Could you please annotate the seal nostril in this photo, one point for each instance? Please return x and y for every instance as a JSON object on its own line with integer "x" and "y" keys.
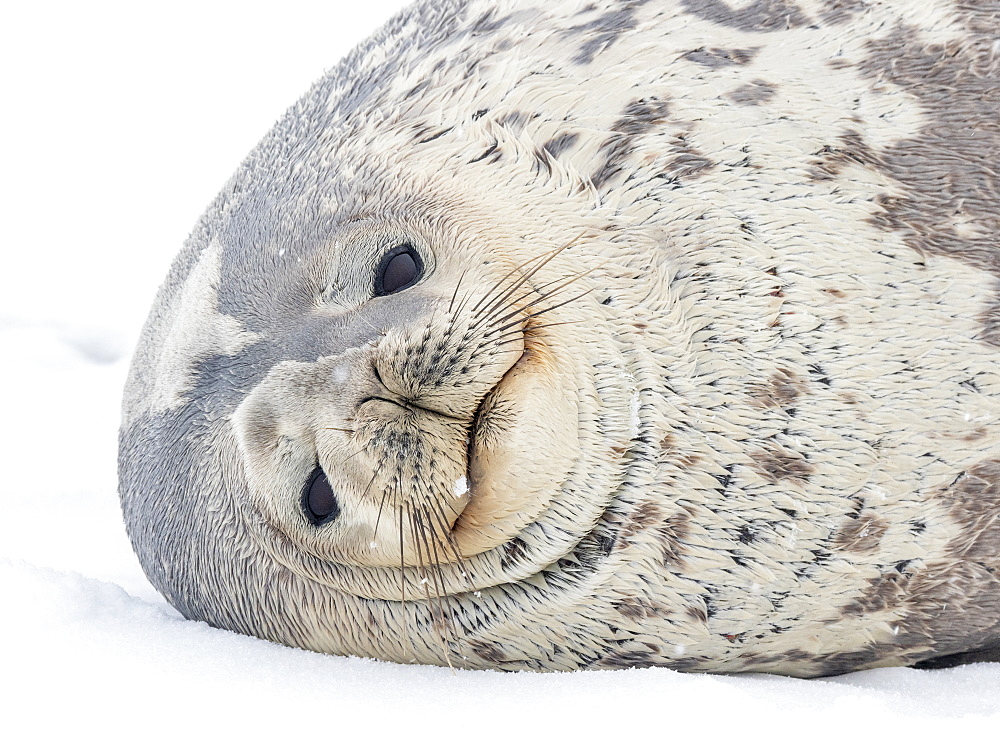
{"x": 318, "y": 499}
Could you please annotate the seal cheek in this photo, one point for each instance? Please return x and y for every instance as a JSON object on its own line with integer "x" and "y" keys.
{"x": 523, "y": 448}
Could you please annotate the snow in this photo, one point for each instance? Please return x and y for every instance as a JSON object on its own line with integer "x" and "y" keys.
{"x": 122, "y": 120}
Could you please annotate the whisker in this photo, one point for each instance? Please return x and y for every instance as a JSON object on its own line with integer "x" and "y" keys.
{"x": 402, "y": 586}
{"x": 501, "y": 280}
{"x": 339, "y": 430}
{"x": 500, "y": 300}
{"x": 446, "y": 534}
{"x": 546, "y": 258}
{"x": 448, "y": 627}
{"x": 498, "y": 338}
{"x": 531, "y": 291}
{"x": 457, "y": 287}
{"x": 381, "y": 505}
{"x": 547, "y": 295}
{"x": 421, "y": 544}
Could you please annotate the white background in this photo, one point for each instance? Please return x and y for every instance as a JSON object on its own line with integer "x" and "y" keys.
{"x": 120, "y": 122}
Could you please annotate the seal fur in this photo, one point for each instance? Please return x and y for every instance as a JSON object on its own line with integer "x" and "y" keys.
{"x": 745, "y": 414}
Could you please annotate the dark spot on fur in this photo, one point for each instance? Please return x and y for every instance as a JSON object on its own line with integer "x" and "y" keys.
{"x": 949, "y": 606}
{"x": 605, "y": 544}
{"x": 850, "y": 149}
{"x": 974, "y": 501}
{"x": 762, "y": 15}
{"x": 747, "y": 535}
{"x": 778, "y": 464}
{"x": 976, "y": 435}
{"x": 638, "y": 608}
{"x": 717, "y": 57}
{"x": 559, "y": 144}
{"x": 640, "y": 117}
{"x": 990, "y": 319}
{"x": 791, "y": 656}
{"x": 697, "y": 613}
{"x": 488, "y": 23}
{"x": 605, "y": 30}
{"x": 710, "y": 607}
{"x": 687, "y": 162}
{"x": 840, "y": 11}
{"x": 516, "y": 120}
{"x": 946, "y": 197}
{"x": 861, "y": 535}
{"x": 884, "y": 593}
{"x": 756, "y": 92}
{"x": 629, "y": 659}
{"x": 493, "y": 150}
{"x": 672, "y": 537}
{"x": 645, "y": 516}
{"x": 781, "y": 391}
{"x": 846, "y": 662}
{"x": 487, "y": 651}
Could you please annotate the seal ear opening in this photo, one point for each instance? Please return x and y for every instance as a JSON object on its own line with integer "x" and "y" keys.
{"x": 319, "y": 502}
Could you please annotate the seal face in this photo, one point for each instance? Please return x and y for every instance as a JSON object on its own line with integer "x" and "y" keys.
{"x": 594, "y": 335}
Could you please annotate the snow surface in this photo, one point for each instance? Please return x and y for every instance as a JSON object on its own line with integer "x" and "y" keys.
{"x": 121, "y": 120}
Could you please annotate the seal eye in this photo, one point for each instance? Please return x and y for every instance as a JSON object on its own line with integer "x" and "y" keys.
{"x": 318, "y": 500}
{"x": 399, "y": 268}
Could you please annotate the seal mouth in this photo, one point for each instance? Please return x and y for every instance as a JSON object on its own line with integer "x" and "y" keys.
{"x": 484, "y": 420}
{"x": 513, "y": 472}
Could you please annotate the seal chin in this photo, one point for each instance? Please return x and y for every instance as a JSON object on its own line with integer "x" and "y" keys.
{"x": 514, "y": 471}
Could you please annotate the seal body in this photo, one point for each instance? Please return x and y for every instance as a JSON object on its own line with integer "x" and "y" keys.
{"x": 597, "y": 334}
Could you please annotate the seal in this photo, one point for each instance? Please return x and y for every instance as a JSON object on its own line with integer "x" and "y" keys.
{"x": 597, "y": 334}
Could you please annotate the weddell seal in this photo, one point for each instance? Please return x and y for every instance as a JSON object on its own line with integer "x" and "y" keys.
{"x": 597, "y": 334}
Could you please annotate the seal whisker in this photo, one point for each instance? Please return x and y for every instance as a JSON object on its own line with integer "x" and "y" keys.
{"x": 458, "y": 285}
{"x": 545, "y": 259}
{"x": 446, "y": 534}
{"x": 499, "y": 335}
{"x": 434, "y": 549}
{"x": 498, "y": 328}
{"x": 347, "y": 431}
{"x": 421, "y": 545}
{"x": 530, "y": 291}
{"x": 500, "y": 339}
{"x": 486, "y": 299}
{"x": 402, "y": 586}
{"x": 449, "y": 627}
{"x": 381, "y": 505}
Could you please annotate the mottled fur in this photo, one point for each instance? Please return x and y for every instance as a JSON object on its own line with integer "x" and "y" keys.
{"x": 763, "y": 435}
